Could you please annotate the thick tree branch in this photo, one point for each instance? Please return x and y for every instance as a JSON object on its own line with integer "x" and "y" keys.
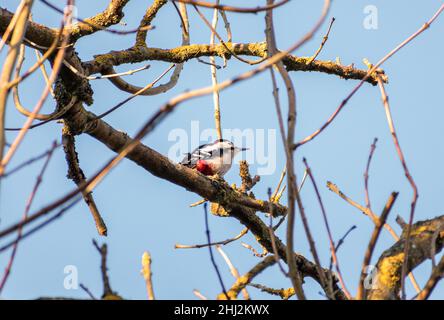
{"x": 37, "y": 33}
{"x": 75, "y": 173}
{"x": 112, "y": 15}
{"x": 389, "y": 266}
{"x": 146, "y": 21}
{"x": 184, "y": 53}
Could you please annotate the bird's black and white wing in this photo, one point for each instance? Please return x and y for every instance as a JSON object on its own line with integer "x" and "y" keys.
{"x": 202, "y": 152}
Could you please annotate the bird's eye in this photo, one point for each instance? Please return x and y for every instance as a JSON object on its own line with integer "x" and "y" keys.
{"x": 232, "y": 148}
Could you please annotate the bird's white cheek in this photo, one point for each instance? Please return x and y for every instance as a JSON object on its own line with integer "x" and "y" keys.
{"x": 227, "y": 159}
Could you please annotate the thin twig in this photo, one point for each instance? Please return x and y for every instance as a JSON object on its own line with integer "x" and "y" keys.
{"x": 25, "y": 215}
{"x": 125, "y": 73}
{"x": 198, "y": 203}
{"x": 366, "y": 173}
{"x": 409, "y": 177}
{"x": 147, "y": 274}
{"x": 227, "y": 26}
{"x": 216, "y": 268}
{"x": 88, "y": 292}
{"x": 372, "y": 243}
{"x": 43, "y": 224}
{"x": 278, "y": 187}
{"x": 285, "y": 294}
{"x": 233, "y": 270}
{"x": 148, "y": 86}
{"x": 225, "y": 242}
{"x": 340, "y": 243}
{"x": 324, "y": 40}
{"x": 330, "y": 236}
{"x": 30, "y": 161}
{"x": 255, "y": 252}
{"x": 103, "y": 250}
{"x": 271, "y": 231}
{"x": 437, "y": 275}
{"x": 44, "y": 72}
{"x": 198, "y": 294}
{"x": 231, "y": 8}
{"x": 209, "y": 63}
{"x": 213, "y": 70}
{"x": 243, "y": 281}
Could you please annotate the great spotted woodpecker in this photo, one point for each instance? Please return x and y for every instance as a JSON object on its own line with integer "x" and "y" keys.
{"x": 213, "y": 158}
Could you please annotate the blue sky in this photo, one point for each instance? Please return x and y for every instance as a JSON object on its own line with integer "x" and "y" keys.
{"x": 145, "y": 213}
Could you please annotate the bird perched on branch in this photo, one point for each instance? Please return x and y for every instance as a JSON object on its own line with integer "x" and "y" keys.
{"x": 213, "y": 158}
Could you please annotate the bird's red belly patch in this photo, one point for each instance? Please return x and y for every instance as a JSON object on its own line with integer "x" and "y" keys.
{"x": 203, "y": 167}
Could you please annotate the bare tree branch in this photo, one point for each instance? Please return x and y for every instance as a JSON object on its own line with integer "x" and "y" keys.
{"x": 389, "y": 266}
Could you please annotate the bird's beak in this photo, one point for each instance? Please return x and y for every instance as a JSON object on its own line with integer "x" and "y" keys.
{"x": 241, "y": 149}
